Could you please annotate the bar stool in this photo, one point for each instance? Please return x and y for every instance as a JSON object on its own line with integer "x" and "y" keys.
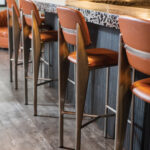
{"x": 135, "y": 53}
{"x": 46, "y": 36}
{"x": 73, "y": 30}
{"x": 14, "y": 30}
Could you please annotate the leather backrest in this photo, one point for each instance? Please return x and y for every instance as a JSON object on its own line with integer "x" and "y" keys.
{"x": 136, "y": 34}
{"x": 13, "y": 3}
{"x": 27, "y": 6}
{"x": 69, "y": 18}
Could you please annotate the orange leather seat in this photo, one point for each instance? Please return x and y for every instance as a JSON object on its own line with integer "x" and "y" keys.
{"x": 98, "y": 57}
{"x": 141, "y": 88}
{"x": 4, "y": 32}
{"x": 3, "y": 29}
{"x": 47, "y": 36}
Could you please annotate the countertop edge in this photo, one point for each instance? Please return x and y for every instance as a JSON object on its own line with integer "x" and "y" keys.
{"x": 92, "y": 16}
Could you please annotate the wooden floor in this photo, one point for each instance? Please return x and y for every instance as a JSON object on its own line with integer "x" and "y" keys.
{"x": 20, "y": 130}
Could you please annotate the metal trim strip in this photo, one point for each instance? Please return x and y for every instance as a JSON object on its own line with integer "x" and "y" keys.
{"x": 137, "y": 52}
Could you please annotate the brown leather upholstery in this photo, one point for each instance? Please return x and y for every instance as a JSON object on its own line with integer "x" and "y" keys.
{"x": 3, "y": 29}
{"x": 139, "y": 63}
{"x": 4, "y": 32}
{"x": 47, "y": 36}
{"x": 141, "y": 89}
{"x": 27, "y": 6}
{"x": 68, "y": 19}
{"x": 11, "y": 3}
{"x": 98, "y": 57}
{"x": 136, "y": 34}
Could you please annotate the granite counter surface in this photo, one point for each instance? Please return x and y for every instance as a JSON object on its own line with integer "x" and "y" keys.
{"x": 97, "y": 13}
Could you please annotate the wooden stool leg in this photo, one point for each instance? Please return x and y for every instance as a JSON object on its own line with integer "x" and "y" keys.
{"x": 81, "y": 88}
{"x": 16, "y": 42}
{"x": 10, "y": 35}
{"x": 36, "y": 66}
{"x": 26, "y": 60}
{"x": 123, "y": 98}
{"x": 26, "y": 45}
{"x": 16, "y": 71}
{"x": 63, "y": 72}
{"x": 10, "y": 58}
{"x": 63, "y": 76}
{"x": 132, "y": 115}
{"x": 49, "y": 70}
{"x": 106, "y": 101}
{"x": 36, "y": 50}
{"x": 82, "y": 75}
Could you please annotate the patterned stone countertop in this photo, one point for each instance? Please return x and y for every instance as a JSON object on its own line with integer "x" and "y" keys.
{"x": 97, "y": 13}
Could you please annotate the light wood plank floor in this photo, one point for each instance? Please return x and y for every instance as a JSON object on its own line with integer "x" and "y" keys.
{"x": 20, "y": 130}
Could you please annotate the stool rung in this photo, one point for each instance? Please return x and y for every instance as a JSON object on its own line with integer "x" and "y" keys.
{"x": 20, "y": 63}
{"x": 71, "y": 81}
{"x": 46, "y": 79}
{"x": 110, "y": 108}
{"x": 98, "y": 117}
{"x": 113, "y": 110}
{"x": 73, "y": 113}
{"x": 129, "y": 121}
{"x": 45, "y": 62}
{"x": 12, "y": 59}
{"x": 44, "y": 82}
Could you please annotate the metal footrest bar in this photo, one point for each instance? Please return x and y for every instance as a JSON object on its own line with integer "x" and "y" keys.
{"x": 45, "y": 62}
{"x": 20, "y": 60}
{"x": 71, "y": 81}
{"x": 12, "y": 59}
{"x": 113, "y": 110}
{"x": 44, "y": 82}
{"x": 46, "y": 79}
{"x": 110, "y": 108}
{"x": 85, "y": 115}
{"x": 98, "y": 117}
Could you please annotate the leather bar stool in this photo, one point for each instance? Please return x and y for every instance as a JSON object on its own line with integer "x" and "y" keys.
{"x": 3, "y": 29}
{"x": 14, "y": 30}
{"x": 46, "y": 36}
{"x": 135, "y": 53}
{"x": 73, "y": 30}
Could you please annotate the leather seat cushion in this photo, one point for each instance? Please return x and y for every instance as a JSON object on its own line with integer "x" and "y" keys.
{"x": 98, "y": 57}
{"x": 141, "y": 89}
{"x": 3, "y": 42}
{"x": 4, "y": 32}
{"x": 47, "y": 36}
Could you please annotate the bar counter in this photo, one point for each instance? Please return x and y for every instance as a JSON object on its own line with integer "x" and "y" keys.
{"x": 104, "y": 31}
{"x": 97, "y": 13}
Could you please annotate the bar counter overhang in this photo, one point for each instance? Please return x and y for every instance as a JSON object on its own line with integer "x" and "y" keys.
{"x": 98, "y": 13}
{"x": 102, "y": 21}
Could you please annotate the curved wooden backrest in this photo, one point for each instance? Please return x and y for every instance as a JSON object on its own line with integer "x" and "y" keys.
{"x": 136, "y": 36}
{"x": 69, "y": 18}
{"x": 27, "y": 7}
{"x": 13, "y": 3}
